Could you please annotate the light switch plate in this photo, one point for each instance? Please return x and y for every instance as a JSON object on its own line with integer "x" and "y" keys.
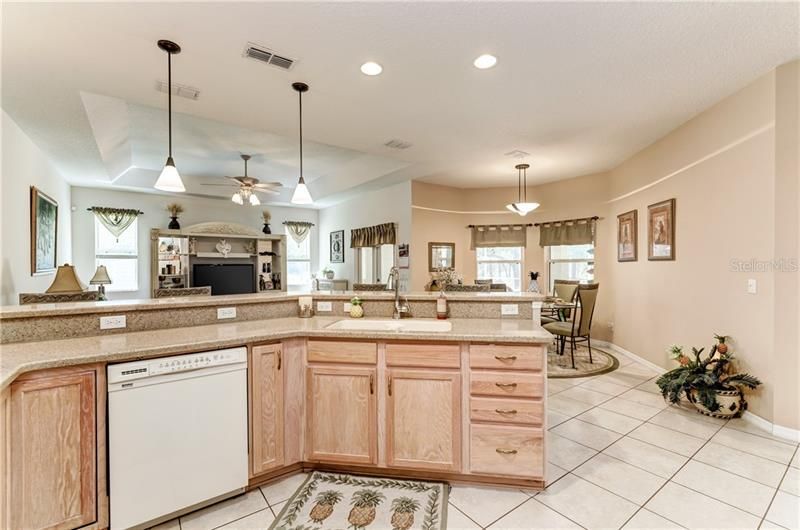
{"x": 226, "y": 312}
{"x": 113, "y": 322}
{"x": 347, "y": 307}
{"x": 324, "y": 307}
{"x": 752, "y": 286}
{"x": 509, "y": 309}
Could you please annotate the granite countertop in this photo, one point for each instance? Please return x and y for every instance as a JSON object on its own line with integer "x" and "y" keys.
{"x": 18, "y": 358}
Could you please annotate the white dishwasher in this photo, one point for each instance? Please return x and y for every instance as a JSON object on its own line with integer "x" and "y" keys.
{"x": 177, "y": 434}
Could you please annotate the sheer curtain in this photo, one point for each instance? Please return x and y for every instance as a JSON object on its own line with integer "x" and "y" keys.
{"x": 116, "y": 220}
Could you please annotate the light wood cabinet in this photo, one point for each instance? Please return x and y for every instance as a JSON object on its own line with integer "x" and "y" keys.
{"x": 52, "y": 448}
{"x": 341, "y": 409}
{"x": 423, "y": 419}
{"x": 266, "y": 408}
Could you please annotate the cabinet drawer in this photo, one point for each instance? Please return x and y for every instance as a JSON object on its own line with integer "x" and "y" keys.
{"x": 424, "y": 355}
{"x": 506, "y": 411}
{"x": 336, "y": 351}
{"x": 499, "y": 357}
{"x": 507, "y": 450}
{"x": 508, "y": 384}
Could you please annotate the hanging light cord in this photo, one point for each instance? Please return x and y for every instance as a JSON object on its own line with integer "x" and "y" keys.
{"x": 300, "y": 95}
{"x": 525, "y": 185}
{"x": 169, "y": 100}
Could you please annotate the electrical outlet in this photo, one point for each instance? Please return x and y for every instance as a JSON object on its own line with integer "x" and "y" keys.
{"x": 114, "y": 322}
{"x": 347, "y": 307}
{"x": 226, "y": 312}
{"x": 752, "y": 286}
{"x": 509, "y": 309}
{"x": 324, "y": 307}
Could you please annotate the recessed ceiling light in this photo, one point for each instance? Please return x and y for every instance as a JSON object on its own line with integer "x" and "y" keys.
{"x": 370, "y": 68}
{"x": 485, "y": 61}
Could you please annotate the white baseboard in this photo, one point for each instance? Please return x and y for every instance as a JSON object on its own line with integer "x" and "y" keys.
{"x": 792, "y": 435}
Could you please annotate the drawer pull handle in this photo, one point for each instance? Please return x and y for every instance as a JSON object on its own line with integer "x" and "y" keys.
{"x": 371, "y": 384}
{"x": 506, "y": 451}
{"x": 506, "y": 357}
{"x": 506, "y": 385}
{"x": 506, "y": 411}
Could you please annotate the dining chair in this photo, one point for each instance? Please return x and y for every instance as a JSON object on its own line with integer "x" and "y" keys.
{"x": 564, "y": 289}
{"x": 580, "y": 327}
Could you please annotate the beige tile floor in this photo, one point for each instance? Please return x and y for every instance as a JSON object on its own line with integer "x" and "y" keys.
{"x": 618, "y": 458}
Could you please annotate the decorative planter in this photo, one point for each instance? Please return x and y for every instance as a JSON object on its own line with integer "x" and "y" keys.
{"x": 174, "y": 224}
{"x": 731, "y": 404}
{"x": 329, "y": 275}
{"x": 266, "y": 229}
{"x": 356, "y": 311}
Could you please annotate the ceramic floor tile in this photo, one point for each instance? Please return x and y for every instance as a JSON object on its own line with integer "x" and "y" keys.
{"x": 639, "y": 370}
{"x": 796, "y": 460}
{"x": 695, "y": 510}
{"x": 277, "y": 508}
{"x": 224, "y": 512}
{"x": 650, "y": 386}
{"x": 553, "y": 473}
{"x": 625, "y": 480}
{"x": 565, "y": 453}
{"x": 458, "y": 521}
{"x": 485, "y": 505}
{"x": 629, "y": 408}
{"x": 644, "y": 398}
{"x": 554, "y": 386}
{"x": 282, "y": 490}
{"x": 587, "y": 434}
{"x": 645, "y": 519}
{"x": 623, "y": 379}
{"x": 532, "y": 515}
{"x": 610, "y": 420}
{"x": 768, "y": 525}
{"x": 756, "y": 445}
{"x": 745, "y": 426}
{"x": 648, "y": 457}
{"x": 563, "y": 405}
{"x": 754, "y": 467}
{"x": 587, "y": 504}
{"x": 667, "y": 439}
{"x": 257, "y": 521}
{"x": 174, "y": 524}
{"x": 554, "y": 418}
{"x": 785, "y": 510}
{"x": 686, "y": 424}
{"x": 599, "y": 384}
{"x": 791, "y": 482}
{"x": 741, "y": 492}
{"x": 584, "y": 395}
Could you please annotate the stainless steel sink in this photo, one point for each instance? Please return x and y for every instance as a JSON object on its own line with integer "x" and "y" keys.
{"x": 420, "y": 325}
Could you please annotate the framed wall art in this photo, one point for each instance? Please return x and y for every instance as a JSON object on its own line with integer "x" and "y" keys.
{"x": 661, "y": 231}
{"x": 627, "y": 240}
{"x": 44, "y": 233}
{"x": 337, "y": 247}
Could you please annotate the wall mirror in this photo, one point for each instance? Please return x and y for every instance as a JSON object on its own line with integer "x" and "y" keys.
{"x": 441, "y": 256}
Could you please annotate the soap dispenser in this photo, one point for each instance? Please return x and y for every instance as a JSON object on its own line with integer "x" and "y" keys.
{"x": 441, "y": 306}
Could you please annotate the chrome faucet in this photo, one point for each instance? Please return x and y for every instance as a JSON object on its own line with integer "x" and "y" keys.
{"x": 400, "y": 306}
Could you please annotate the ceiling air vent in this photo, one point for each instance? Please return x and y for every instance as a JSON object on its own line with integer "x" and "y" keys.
{"x": 265, "y": 55}
{"x": 397, "y": 144}
{"x": 182, "y": 91}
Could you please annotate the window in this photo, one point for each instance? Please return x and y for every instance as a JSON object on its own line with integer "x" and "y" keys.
{"x": 119, "y": 255}
{"x": 571, "y": 262}
{"x": 374, "y": 263}
{"x": 501, "y": 265}
{"x": 298, "y": 263}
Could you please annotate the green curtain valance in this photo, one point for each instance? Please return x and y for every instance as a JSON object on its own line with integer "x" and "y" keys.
{"x": 116, "y": 220}
{"x": 572, "y": 232}
{"x": 299, "y": 230}
{"x": 498, "y": 236}
{"x": 372, "y": 236}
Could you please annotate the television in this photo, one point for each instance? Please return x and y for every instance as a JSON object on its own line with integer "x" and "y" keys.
{"x": 225, "y": 278}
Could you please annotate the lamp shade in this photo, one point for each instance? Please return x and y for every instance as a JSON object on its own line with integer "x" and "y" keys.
{"x": 66, "y": 281}
{"x": 169, "y": 179}
{"x": 301, "y": 194}
{"x": 100, "y": 276}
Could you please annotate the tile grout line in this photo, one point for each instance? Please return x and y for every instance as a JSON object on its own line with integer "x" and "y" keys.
{"x": 465, "y": 515}
{"x": 772, "y": 500}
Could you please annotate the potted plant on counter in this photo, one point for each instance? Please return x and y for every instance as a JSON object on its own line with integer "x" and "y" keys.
{"x": 707, "y": 382}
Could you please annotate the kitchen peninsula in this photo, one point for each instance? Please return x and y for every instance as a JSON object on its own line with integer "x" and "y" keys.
{"x": 319, "y": 395}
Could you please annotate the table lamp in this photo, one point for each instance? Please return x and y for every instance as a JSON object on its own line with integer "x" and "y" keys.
{"x": 101, "y": 279}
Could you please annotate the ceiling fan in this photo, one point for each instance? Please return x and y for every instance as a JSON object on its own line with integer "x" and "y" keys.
{"x": 249, "y": 186}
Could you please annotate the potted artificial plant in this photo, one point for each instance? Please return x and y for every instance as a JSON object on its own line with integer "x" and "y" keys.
{"x": 708, "y": 383}
{"x": 174, "y": 210}
{"x": 328, "y": 272}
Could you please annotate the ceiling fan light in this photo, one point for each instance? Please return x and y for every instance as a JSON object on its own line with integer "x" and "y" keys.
{"x": 301, "y": 194}
{"x": 237, "y": 198}
{"x": 169, "y": 179}
{"x": 254, "y": 201}
{"x": 526, "y": 207}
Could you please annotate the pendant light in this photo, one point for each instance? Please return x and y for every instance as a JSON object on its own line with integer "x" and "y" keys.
{"x": 169, "y": 179}
{"x": 522, "y": 206}
{"x": 301, "y": 194}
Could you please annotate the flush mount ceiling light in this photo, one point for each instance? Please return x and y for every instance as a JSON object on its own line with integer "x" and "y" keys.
{"x": 301, "y": 194}
{"x": 485, "y": 61}
{"x": 169, "y": 179}
{"x": 522, "y": 206}
{"x": 249, "y": 186}
{"x": 371, "y": 68}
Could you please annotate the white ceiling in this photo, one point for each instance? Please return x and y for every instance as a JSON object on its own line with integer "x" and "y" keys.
{"x": 579, "y": 86}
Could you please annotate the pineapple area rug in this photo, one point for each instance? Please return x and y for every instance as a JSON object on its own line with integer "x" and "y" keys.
{"x": 337, "y": 501}
{"x": 560, "y": 366}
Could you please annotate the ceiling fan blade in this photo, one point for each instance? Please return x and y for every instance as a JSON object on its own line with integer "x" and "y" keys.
{"x": 268, "y": 191}
{"x": 226, "y": 185}
{"x": 268, "y": 185}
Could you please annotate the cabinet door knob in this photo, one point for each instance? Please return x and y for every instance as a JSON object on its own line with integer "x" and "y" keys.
{"x": 371, "y": 384}
{"x": 506, "y": 385}
{"x": 506, "y": 411}
{"x": 279, "y": 359}
{"x": 506, "y": 357}
{"x": 506, "y": 451}
{"x": 389, "y": 385}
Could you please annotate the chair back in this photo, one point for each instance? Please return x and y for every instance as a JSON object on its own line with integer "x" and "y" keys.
{"x": 565, "y": 289}
{"x": 459, "y": 287}
{"x": 587, "y": 297}
{"x": 369, "y": 287}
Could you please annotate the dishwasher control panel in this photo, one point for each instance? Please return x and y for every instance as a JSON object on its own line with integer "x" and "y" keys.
{"x": 130, "y": 371}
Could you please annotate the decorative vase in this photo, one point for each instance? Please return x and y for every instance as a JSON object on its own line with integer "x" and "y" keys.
{"x": 731, "y": 404}
{"x": 174, "y": 224}
{"x": 356, "y": 311}
{"x": 329, "y": 275}
{"x": 266, "y": 229}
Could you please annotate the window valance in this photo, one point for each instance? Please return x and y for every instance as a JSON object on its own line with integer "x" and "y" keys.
{"x": 568, "y": 232}
{"x": 298, "y": 230}
{"x": 372, "y": 236}
{"x": 116, "y": 220}
{"x": 498, "y": 236}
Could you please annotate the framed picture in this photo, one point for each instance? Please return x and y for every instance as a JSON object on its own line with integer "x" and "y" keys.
{"x": 627, "y": 230}
{"x": 661, "y": 231}
{"x": 44, "y": 233}
{"x": 441, "y": 256}
{"x": 337, "y": 247}
{"x": 402, "y": 256}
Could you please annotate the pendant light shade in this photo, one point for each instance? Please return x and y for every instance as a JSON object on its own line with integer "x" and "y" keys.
{"x": 169, "y": 179}
{"x": 522, "y": 206}
{"x": 301, "y": 194}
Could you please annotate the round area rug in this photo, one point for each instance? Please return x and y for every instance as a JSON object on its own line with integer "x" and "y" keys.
{"x": 560, "y": 366}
